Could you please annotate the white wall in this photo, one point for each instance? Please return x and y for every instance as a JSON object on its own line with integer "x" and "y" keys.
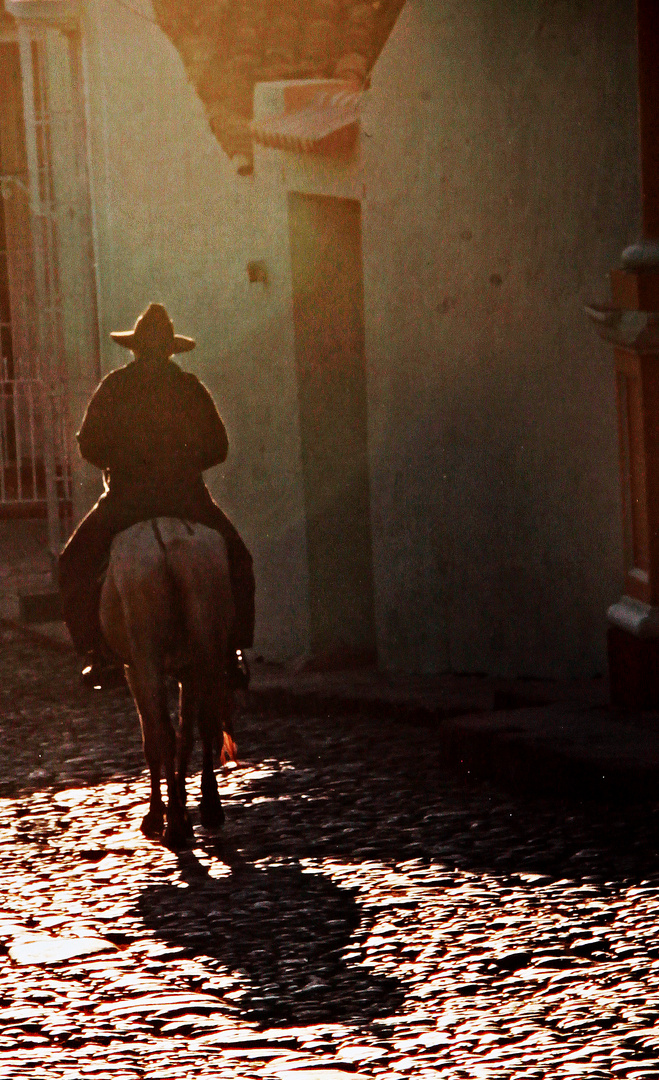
{"x": 498, "y": 183}
{"x": 501, "y": 186}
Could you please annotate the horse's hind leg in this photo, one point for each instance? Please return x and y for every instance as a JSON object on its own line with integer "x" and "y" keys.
{"x": 188, "y": 714}
{"x": 210, "y": 728}
{"x": 148, "y": 710}
{"x": 150, "y": 693}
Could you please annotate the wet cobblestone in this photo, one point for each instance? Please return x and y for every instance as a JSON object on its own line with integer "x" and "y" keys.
{"x": 364, "y": 912}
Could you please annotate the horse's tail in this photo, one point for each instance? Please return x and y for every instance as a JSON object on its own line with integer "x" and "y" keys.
{"x": 229, "y": 750}
{"x": 196, "y": 564}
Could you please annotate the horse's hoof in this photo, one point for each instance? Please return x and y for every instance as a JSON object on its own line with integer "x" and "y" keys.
{"x": 153, "y": 825}
{"x": 212, "y": 814}
{"x": 176, "y": 837}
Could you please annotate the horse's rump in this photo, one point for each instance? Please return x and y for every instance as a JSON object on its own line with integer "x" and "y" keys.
{"x": 168, "y": 586}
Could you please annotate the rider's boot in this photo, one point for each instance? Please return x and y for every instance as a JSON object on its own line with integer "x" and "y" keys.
{"x": 102, "y": 670}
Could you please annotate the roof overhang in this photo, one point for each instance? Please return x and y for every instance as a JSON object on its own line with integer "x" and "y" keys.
{"x": 328, "y": 123}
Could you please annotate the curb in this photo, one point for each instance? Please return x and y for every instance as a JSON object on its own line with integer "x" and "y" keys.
{"x": 293, "y": 702}
{"x": 607, "y": 760}
{"x": 40, "y": 637}
{"x": 539, "y": 767}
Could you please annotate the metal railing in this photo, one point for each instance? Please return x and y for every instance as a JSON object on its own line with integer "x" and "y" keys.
{"x": 35, "y": 474}
{"x": 26, "y": 488}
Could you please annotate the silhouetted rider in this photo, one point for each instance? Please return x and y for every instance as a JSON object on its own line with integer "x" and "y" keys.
{"x": 153, "y": 429}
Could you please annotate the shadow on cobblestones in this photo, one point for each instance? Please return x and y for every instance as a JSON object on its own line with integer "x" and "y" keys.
{"x": 285, "y": 929}
{"x": 380, "y": 790}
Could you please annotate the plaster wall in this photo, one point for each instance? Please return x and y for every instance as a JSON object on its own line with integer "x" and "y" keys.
{"x": 500, "y": 161}
{"x": 498, "y": 180}
{"x": 174, "y": 223}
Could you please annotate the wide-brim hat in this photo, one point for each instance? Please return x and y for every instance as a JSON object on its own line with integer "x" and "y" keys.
{"x": 153, "y": 330}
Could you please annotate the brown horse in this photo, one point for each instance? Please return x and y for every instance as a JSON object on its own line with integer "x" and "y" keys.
{"x": 166, "y": 607}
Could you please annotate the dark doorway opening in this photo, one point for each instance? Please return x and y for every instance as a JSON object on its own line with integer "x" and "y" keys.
{"x": 328, "y": 312}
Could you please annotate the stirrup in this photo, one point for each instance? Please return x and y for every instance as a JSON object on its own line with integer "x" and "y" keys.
{"x": 100, "y": 674}
{"x": 238, "y": 670}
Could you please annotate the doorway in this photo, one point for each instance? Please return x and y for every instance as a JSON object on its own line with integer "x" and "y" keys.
{"x": 328, "y": 316}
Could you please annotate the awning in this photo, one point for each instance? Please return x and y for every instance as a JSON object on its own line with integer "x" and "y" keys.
{"x": 329, "y": 124}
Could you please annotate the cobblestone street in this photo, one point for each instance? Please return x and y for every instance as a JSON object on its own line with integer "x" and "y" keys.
{"x": 364, "y": 911}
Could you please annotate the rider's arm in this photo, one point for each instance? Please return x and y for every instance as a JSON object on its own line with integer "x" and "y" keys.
{"x": 207, "y": 440}
{"x": 93, "y": 440}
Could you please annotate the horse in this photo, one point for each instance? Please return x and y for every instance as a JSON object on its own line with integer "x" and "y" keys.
{"x": 166, "y": 607}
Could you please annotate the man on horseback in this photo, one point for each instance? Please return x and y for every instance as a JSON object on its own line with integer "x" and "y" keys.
{"x": 153, "y": 429}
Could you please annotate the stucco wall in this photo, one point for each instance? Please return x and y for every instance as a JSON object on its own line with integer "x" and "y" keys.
{"x": 174, "y": 223}
{"x": 498, "y": 182}
{"x": 500, "y": 157}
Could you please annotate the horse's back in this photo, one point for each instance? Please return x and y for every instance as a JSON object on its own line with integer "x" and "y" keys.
{"x": 168, "y": 579}
{"x": 169, "y": 546}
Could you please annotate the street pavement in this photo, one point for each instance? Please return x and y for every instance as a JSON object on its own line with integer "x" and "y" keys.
{"x": 385, "y": 899}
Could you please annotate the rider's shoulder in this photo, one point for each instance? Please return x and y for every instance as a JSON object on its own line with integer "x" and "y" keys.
{"x": 120, "y": 373}
{"x": 189, "y": 379}
{"x": 114, "y": 379}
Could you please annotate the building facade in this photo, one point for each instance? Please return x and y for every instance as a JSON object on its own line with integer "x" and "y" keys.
{"x": 381, "y": 237}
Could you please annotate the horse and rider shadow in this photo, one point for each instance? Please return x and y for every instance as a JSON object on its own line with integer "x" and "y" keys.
{"x": 286, "y": 930}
